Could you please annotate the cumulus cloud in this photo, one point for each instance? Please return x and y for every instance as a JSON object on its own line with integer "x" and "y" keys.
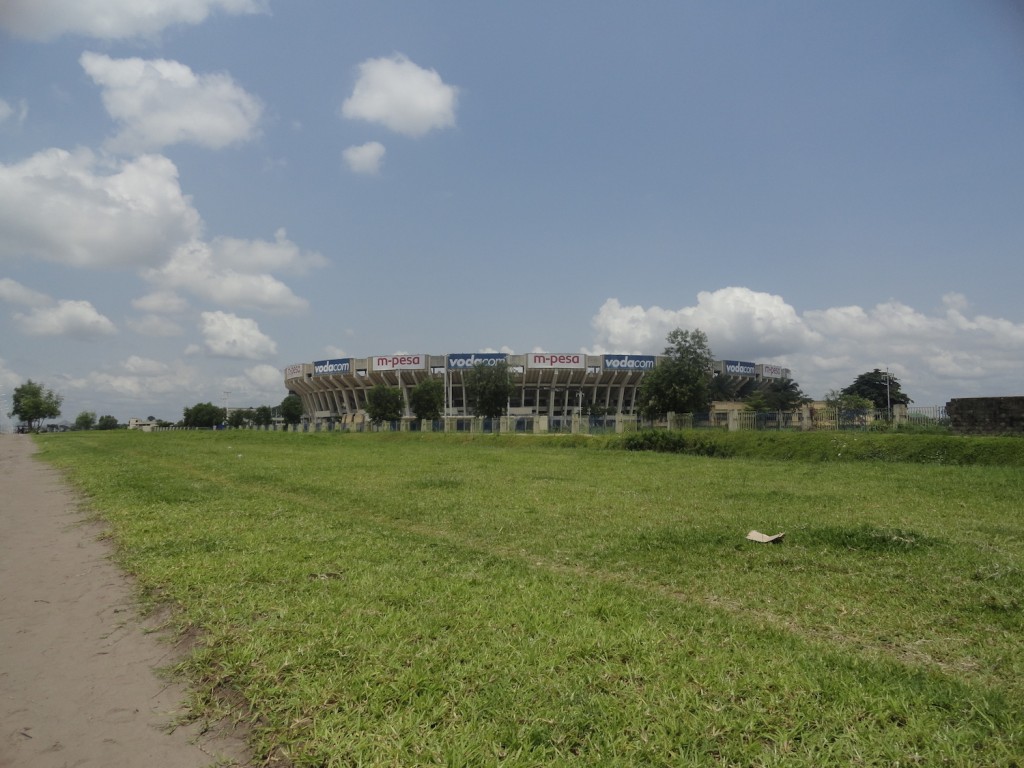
{"x": 402, "y": 96}
{"x": 946, "y": 354}
{"x": 258, "y": 385}
{"x": 265, "y": 256}
{"x": 159, "y": 103}
{"x": 225, "y": 275}
{"x": 139, "y": 379}
{"x": 365, "y": 158}
{"x": 69, "y": 208}
{"x": 111, "y": 19}
{"x": 75, "y": 319}
{"x": 227, "y": 335}
{"x": 15, "y": 293}
{"x": 742, "y": 319}
{"x": 144, "y": 366}
{"x": 8, "y": 381}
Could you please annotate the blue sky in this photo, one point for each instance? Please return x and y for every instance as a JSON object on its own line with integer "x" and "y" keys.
{"x": 197, "y": 193}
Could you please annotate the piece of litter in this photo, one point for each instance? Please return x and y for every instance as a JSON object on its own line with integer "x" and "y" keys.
{"x": 764, "y": 538}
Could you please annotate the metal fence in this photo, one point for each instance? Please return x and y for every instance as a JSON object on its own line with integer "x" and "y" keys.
{"x": 804, "y": 419}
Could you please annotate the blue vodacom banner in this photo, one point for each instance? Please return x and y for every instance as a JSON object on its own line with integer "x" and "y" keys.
{"x": 629, "y": 362}
{"x": 330, "y": 367}
{"x": 738, "y": 367}
{"x": 461, "y": 361}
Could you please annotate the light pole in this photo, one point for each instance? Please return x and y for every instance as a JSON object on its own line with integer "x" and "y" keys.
{"x": 227, "y": 393}
{"x": 888, "y": 397}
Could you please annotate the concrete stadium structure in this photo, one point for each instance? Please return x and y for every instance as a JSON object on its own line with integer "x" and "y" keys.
{"x": 547, "y": 384}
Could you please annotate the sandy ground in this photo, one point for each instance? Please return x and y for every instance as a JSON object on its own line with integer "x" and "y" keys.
{"x": 78, "y": 685}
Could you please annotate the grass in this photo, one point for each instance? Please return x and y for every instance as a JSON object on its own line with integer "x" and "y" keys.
{"x": 920, "y": 447}
{"x": 432, "y": 599}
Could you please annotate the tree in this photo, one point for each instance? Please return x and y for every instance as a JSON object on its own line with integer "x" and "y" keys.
{"x": 488, "y": 388}
{"x": 85, "y": 420}
{"x": 880, "y": 387}
{"x": 291, "y": 409}
{"x": 681, "y": 383}
{"x": 32, "y": 403}
{"x": 203, "y": 416}
{"x": 783, "y": 395}
{"x": 263, "y": 416}
{"x": 426, "y": 399}
{"x": 107, "y": 422}
{"x": 850, "y": 409}
{"x": 240, "y": 417}
{"x": 758, "y": 402}
{"x": 384, "y": 403}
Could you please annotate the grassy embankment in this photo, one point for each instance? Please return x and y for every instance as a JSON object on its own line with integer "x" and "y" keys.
{"x": 430, "y": 599}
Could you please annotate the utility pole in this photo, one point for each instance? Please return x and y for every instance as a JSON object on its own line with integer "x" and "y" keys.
{"x": 888, "y": 397}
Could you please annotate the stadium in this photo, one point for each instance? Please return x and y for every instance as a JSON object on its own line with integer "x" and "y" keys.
{"x": 549, "y": 386}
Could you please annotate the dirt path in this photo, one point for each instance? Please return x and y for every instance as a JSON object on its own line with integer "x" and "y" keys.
{"x": 77, "y": 680}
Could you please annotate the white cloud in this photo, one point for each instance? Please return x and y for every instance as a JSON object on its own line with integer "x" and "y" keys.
{"x": 160, "y": 103}
{"x": 76, "y": 319}
{"x": 60, "y": 206}
{"x": 8, "y": 381}
{"x": 16, "y": 293}
{"x": 365, "y": 158}
{"x": 401, "y": 96}
{"x": 144, "y": 366}
{"x": 260, "y": 385}
{"x": 198, "y": 268}
{"x": 266, "y": 377}
{"x": 140, "y": 379}
{"x": 737, "y": 318}
{"x": 227, "y": 335}
{"x": 111, "y": 19}
{"x": 935, "y": 356}
{"x": 263, "y": 256}
{"x": 7, "y": 111}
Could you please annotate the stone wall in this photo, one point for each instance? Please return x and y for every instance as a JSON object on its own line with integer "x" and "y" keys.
{"x": 986, "y": 415}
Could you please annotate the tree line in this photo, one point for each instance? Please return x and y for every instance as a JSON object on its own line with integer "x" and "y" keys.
{"x": 32, "y": 403}
{"x": 683, "y": 382}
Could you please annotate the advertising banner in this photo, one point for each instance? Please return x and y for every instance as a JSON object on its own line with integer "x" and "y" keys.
{"x": 739, "y": 367}
{"x": 399, "y": 363}
{"x": 772, "y": 371}
{"x": 464, "y": 361}
{"x": 293, "y": 371}
{"x": 329, "y": 367}
{"x": 629, "y": 362}
{"x": 553, "y": 360}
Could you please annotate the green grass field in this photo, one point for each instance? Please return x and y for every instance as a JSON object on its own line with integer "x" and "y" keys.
{"x": 437, "y": 600}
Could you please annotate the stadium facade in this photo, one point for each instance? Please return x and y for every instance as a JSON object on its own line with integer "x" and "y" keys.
{"x": 547, "y": 384}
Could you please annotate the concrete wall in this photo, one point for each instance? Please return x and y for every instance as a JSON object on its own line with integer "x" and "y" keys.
{"x": 986, "y": 415}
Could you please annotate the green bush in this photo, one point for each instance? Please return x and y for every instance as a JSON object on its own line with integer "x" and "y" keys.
{"x": 924, "y": 447}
